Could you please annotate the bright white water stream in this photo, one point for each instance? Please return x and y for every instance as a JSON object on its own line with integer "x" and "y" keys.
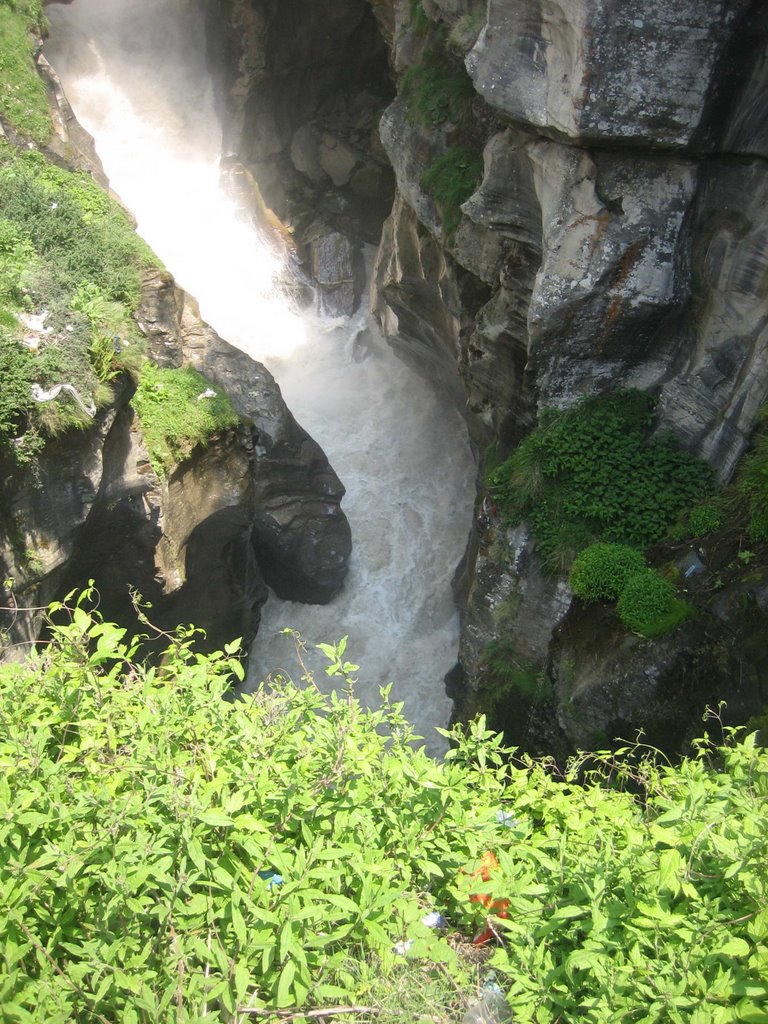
{"x": 135, "y": 74}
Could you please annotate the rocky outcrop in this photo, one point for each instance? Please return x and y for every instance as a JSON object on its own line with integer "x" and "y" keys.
{"x": 302, "y": 87}
{"x": 260, "y": 504}
{"x": 616, "y": 237}
{"x": 299, "y": 534}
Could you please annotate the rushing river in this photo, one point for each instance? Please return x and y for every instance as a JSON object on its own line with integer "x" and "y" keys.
{"x": 135, "y": 73}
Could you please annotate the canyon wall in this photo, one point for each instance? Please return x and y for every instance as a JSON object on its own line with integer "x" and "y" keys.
{"x": 614, "y": 237}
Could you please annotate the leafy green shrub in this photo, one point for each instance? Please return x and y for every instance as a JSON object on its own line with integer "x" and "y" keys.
{"x": 753, "y": 482}
{"x": 647, "y": 604}
{"x": 450, "y": 180}
{"x": 600, "y": 572}
{"x": 176, "y": 416}
{"x": 590, "y": 473}
{"x": 703, "y": 520}
{"x": 438, "y": 91}
{"x": 144, "y": 819}
{"x": 23, "y": 102}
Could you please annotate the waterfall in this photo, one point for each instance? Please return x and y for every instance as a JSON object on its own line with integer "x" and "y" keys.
{"x": 135, "y": 73}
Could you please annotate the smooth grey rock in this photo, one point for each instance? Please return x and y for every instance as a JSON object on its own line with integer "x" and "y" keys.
{"x": 337, "y": 268}
{"x": 607, "y": 70}
{"x": 719, "y": 377}
{"x": 337, "y": 159}
{"x": 613, "y": 275}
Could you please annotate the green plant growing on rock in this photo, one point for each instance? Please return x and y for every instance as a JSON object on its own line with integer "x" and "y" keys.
{"x": 507, "y": 672}
{"x": 23, "y": 102}
{"x": 419, "y": 19}
{"x": 591, "y": 473}
{"x": 647, "y": 604}
{"x": 450, "y": 180}
{"x": 601, "y": 571}
{"x": 704, "y": 519}
{"x": 18, "y": 443}
{"x": 438, "y": 91}
{"x": 753, "y": 481}
{"x": 178, "y": 414}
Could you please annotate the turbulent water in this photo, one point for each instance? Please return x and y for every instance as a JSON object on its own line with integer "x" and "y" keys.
{"x": 135, "y": 74}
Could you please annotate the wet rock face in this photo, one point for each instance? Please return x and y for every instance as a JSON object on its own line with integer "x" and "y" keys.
{"x": 302, "y": 88}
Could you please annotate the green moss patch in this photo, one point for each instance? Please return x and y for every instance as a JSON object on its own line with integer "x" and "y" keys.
{"x": 450, "y": 180}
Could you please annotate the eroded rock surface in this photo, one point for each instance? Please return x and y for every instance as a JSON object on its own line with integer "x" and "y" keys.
{"x": 616, "y": 238}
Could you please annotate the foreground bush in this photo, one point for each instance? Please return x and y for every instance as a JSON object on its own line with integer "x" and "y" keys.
{"x": 170, "y": 855}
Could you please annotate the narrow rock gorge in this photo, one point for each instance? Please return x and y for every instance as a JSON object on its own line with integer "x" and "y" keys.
{"x": 566, "y": 200}
{"x": 613, "y": 236}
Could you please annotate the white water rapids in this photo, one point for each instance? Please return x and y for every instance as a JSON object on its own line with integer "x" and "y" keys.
{"x": 135, "y": 73}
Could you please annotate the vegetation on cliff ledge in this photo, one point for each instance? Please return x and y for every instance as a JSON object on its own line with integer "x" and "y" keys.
{"x": 169, "y": 854}
{"x": 23, "y": 102}
{"x": 70, "y": 279}
{"x": 179, "y": 411}
{"x": 593, "y": 473}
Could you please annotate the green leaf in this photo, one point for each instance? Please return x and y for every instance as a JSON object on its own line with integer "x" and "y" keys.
{"x": 735, "y": 947}
{"x": 285, "y": 985}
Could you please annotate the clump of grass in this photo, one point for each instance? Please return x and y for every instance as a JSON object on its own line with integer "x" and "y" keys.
{"x": 175, "y": 416}
{"x": 23, "y": 102}
{"x": 450, "y": 180}
{"x": 419, "y": 18}
{"x": 464, "y": 33}
{"x": 438, "y": 91}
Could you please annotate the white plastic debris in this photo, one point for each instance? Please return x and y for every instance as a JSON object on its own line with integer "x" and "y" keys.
{"x": 41, "y": 395}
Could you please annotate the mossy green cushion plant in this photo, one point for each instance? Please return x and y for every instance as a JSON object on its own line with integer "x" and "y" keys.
{"x": 179, "y": 411}
{"x": 601, "y": 571}
{"x": 648, "y": 604}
